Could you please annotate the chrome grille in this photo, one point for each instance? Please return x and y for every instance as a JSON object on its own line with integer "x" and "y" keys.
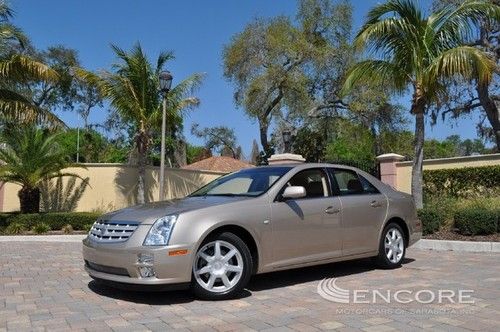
{"x": 109, "y": 231}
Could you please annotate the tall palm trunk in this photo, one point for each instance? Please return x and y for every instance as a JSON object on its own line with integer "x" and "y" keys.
{"x": 142, "y": 142}
{"x": 29, "y": 199}
{"x": 418, "y": 108}
{"x": 492, "y": 111}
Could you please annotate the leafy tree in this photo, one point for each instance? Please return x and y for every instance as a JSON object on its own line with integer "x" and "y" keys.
{"x": 465, "y": 97}
{"x": 310, "y": 144}
{"x": 94, "y": 147}
{"x": 29, "y": 157}
{"x": 196, "y": 153}
{"x": 133, "y": 90}
{"x": 220, "y": 139}
{"x": 422, "y": 53}
{"x": 16, "y": 69}
{"x": 279, "y": 66}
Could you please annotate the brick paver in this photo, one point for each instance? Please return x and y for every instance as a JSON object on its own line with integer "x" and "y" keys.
{"x": 43, "y": 287}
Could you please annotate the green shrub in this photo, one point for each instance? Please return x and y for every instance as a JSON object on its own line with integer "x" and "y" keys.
{"x": 41, "y": 228}
{"x": 67, "y": 229}
{"x": 15, "y": 228}
{"x": 432, "y": 219}
{"x": 56, "y": 220}
{"x": 87, "y": 227}
{"x": 463, "y": 182}
{"x": 476, "y": 221}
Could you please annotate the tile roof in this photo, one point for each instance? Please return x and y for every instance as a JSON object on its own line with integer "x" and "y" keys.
{"x": 218, "y": 164}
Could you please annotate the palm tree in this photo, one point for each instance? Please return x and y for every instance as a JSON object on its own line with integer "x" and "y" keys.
{"x": 421, "y": 53}
{"x": 28, "y": 157}
{"x": 18, "y": 68}
{"x": 133, "y": 89}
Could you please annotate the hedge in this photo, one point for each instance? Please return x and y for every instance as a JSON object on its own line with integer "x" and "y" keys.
{"x": 474, "y": 221}
{"x": 463, "y": 182}
{"x": 432, "y": 219}
{"x": 55, "y": 220}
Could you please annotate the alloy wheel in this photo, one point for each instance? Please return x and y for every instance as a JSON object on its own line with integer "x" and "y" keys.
{"x": 394, "y": 245}
{"x": 218, "y": 266}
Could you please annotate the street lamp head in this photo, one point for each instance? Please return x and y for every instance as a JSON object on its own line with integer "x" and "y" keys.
{"x": 165, "y": 81}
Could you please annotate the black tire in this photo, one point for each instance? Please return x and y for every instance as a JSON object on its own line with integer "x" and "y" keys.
{"x": 382, "y": 260}
{"x": 235, "y": 290}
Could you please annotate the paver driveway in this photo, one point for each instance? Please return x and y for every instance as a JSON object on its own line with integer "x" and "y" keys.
{"x": 44, "y": 287}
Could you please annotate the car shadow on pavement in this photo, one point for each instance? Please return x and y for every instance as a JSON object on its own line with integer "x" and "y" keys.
{"x": 257, "y": 283}
{"x": 313, "y": 273}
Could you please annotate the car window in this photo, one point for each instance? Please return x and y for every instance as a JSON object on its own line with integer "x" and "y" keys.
{"x": 247, "y": 182}
{"x": 367, "y": 186}
{"x": 314, "y": 181}
{"x": 234, "y": 186}
{"x": 351, "y": 183}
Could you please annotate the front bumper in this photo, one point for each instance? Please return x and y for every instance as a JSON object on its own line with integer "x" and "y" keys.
{"x": 119, "y": 263}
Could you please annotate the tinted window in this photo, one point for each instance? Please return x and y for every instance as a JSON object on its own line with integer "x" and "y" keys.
{"x": 314, "y": 181}
{"x": 347, "y": 182}
{"x": 247, "y": 182}
{"x": 367, "y": 186}
{"x": 351, "y": 183}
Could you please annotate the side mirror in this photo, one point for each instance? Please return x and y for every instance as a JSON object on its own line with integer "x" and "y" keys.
{"x": 294, "y": 192}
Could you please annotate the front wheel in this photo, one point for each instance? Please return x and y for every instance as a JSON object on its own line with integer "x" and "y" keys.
{"x": 392, "y": 247}
{"x": 222, "y": 267}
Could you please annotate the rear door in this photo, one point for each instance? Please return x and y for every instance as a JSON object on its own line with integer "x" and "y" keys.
{"x": 364, "y": 209}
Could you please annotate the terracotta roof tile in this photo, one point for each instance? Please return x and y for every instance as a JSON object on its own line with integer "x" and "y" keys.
{"x": 218, "y": 164}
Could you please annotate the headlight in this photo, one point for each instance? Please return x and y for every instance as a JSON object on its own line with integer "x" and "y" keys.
{"x": 159, "y": 234}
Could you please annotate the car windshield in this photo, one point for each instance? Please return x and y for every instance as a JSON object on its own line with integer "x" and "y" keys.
{"x": 248, "y": 182}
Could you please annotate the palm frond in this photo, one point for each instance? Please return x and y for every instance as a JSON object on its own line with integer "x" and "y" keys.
{"x": 466, "y": 61}
{"x": 378, "y": 72}
{"x": 22, "y": 68}
{"x": 14, "y": 107}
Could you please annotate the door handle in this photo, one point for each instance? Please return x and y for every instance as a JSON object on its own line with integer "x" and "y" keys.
{"x": 332, "y": 210}
{"x": 375, "y": 204}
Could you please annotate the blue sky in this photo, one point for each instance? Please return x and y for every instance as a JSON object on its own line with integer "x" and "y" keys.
{"x": 195, "y": 30}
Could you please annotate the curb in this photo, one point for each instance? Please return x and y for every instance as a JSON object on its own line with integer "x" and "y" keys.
{"x": 465, "y": 246}
{"x": 43, "y": 238}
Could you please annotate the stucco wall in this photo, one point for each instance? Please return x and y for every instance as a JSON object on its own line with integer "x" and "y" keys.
{"x": 114, "y": 186}
{"x": 404, "y": 168}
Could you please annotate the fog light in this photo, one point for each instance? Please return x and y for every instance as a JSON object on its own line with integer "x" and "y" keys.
{"x": 146, "y": 271}
{"x": 145, "y": 259}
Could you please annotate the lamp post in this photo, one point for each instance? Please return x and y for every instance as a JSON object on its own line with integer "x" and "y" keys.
{"x": 287, "y": 139}
{"x": 165, "y": 83}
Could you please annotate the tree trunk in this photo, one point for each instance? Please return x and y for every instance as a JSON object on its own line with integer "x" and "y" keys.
{"x": 142, "y": 142}
{"x": 492, "y": 111}
{"x": 263, "y": 127}
{"x": 29, "y": 199}
{"x": 418, "y": 109}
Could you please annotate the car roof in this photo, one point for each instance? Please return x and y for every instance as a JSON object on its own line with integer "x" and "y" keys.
{"x": 311, "y": 165}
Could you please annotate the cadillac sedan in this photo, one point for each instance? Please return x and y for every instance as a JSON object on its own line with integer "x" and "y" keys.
{"x": 253, "y": 221}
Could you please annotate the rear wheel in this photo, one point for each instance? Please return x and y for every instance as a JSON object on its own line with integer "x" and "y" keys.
{"x": 222, "y": 267}
{"x": 392, "y": 247}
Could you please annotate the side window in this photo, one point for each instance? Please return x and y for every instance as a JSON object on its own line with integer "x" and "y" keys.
{"x": 350, "y": 183}
{"x": 367, "y": 186}
{"x": 314, "y": 181}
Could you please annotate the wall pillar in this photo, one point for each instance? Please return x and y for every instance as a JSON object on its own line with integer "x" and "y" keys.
{"x": 388, "y": 169}
{"x": 285, "y": 158}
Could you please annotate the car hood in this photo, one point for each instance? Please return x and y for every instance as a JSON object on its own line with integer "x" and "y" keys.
{"x": 150, "y": 212}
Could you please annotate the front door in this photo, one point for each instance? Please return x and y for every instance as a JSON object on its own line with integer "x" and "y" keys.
{"x": 306, "y": 229}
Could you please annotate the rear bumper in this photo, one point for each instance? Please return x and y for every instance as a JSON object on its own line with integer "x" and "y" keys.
{"x": 120, "y": 265}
